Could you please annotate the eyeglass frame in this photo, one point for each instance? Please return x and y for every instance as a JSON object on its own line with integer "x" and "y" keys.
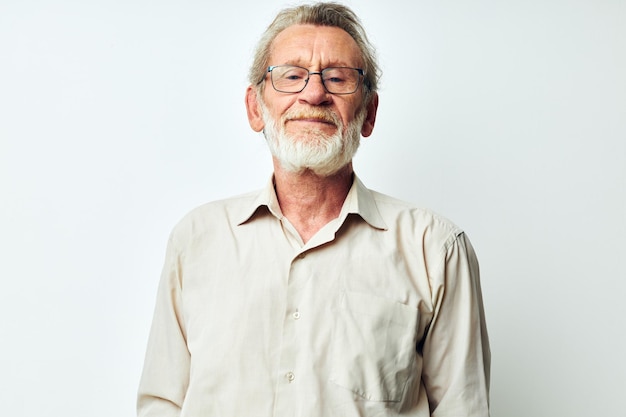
{"x": 361, "y": 72}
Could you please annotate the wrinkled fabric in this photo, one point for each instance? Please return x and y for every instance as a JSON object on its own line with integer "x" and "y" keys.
{"x": 379, "y": 314}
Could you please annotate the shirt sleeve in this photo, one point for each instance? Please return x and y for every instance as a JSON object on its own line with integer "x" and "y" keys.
{"x": 165, "y": 376}
{"x": 456, "y": 349}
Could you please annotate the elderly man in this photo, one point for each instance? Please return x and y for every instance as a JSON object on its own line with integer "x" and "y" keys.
{"x": 316, "y": 297}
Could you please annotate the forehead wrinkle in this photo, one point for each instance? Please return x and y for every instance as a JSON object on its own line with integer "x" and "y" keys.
{"x": 314, "y": 47}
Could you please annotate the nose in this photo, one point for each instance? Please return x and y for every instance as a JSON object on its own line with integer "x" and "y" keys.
{"x": 314, "y": 91}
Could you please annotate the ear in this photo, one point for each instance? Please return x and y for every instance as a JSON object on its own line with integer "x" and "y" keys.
{"x": 370, "y": 117}
{"x": 255, "y": 117}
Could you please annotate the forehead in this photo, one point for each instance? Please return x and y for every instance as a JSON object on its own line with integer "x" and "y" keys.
{"x": 310, "y": 45}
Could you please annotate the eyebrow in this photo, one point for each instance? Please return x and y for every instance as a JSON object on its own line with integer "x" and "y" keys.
{"x": 299, "y": 63}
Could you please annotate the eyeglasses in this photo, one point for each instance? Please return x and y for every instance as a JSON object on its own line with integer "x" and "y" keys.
{"x": 336, "y": 80}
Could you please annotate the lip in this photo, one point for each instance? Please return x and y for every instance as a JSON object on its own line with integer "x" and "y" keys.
{"x": 312, "y": 120}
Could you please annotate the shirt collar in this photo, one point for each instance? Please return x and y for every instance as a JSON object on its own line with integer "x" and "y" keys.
{"x": 359, "y": 200}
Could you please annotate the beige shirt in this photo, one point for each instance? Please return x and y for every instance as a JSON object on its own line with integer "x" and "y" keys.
{"x": 379, "y": 314}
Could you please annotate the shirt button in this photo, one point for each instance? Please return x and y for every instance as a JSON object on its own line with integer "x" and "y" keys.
{"x": 296, "y": 315}
{"x": 290, "y": 376}
{"x": 301, "y": 256}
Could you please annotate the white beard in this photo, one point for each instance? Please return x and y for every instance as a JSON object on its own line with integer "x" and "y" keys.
{"x": 313, "y": 149}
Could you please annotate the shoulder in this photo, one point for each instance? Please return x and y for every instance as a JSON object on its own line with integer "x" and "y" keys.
{"x": 424, "y": 222}
{"x": 423, "y": 235}
{"x": 214, "y": 217}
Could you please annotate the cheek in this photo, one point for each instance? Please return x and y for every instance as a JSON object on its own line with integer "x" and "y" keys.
{"x": 351, "y": 109}
{"x": 276, "y": 104}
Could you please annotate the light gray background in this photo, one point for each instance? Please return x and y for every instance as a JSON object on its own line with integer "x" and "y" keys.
{"x": 117, "y": 117}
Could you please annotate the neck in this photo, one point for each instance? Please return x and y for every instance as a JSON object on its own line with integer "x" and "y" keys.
{"x": 309, "y": 201}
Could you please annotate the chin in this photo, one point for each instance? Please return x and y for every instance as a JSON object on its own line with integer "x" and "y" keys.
{"x": 320, "y": 168}
{"x": 312, "y": 149}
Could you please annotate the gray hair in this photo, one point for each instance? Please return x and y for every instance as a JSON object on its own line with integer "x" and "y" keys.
{"x": 319, "y": 14}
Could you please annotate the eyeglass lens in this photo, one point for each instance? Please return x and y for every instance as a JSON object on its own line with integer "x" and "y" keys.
{"x": 293, "y": 79}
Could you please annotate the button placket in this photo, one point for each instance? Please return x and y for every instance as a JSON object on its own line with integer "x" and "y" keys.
{"x": 291, "y": 351}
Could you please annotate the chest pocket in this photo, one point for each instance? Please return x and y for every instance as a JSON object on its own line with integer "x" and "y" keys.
{"x": 373, "y": 346}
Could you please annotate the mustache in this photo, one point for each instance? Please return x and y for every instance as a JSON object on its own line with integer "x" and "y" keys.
{"x": 325, "y": 115}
